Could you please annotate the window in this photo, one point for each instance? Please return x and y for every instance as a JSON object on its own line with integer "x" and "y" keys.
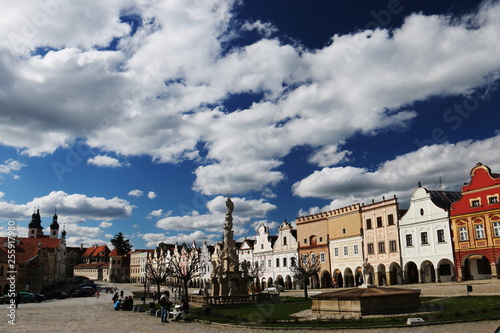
{"x": 313, "y": 258}
{"x": 381, "y": 247}
{"x": 262, "y": 246}
{"x": 320, "y": 239}
{"x": 346, "y": 251}
{"x": 423, "y": 237}
{"x": 475, "y": 203}
{"x": 379, "y": 222}
{"x": 440, "y": 235}
{"x": 305, "y": 241}
{"x": 269, "y": 263}
{"x": 336, "y": 252}
{"x": 292, "y": 261}
{"x": 493, "y": 199}
{"x": 312, "y": 240}
{"x": 463, "y": 234}
{"x": 409, "y": 240}
{"x": 390, "y": 219}
{"x": 343, "y": 231}
{"x": 284, "y": 262}
{"x": 368, "y": 223}
{"x": 496, "y": 229}
{"x": 421, "y": 212}
{"x": 479, "y": 231}
{"x": 277, "y": 262}
{"x": 392, "y": 246}
{"x": 322, "y": 257}
{"x": 284, "y": 240}
{"x": 355, "y": 249}
{"x": 370, "y": 248}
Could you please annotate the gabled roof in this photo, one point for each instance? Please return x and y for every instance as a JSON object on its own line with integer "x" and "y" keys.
{"x": 45, "y": 242}
{"x": 24, "y": 252}
{"x": 93, "y": 265}
{"x": 444, "y": 199}
{"x": 96, "y": 251}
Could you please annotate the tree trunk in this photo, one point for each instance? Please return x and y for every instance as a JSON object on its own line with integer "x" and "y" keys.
{"x": 186, "y": 292}
{"x": 305, "y": 288}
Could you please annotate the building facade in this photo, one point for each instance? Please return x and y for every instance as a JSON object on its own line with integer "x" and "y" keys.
{"x": 263, "y": 255}
{"x": 425, "y": 237}
{"x": 345, "y": 246}
{"x": 381, "y": 241}
{"x": 476, "y": 226}
{"x": 284, "y": 251}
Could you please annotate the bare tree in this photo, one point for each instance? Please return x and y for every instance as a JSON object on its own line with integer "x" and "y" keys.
{"x": 157, "y": 269}
{"x": 185, "y": 267}
{"x": 252, "y": 272}
{"x": 304, "y": 268}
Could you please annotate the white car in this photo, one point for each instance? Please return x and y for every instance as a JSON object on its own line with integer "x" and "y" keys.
{"x": 274, "y": 289}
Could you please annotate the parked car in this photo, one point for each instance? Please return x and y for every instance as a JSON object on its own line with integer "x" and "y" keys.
{"x": 83, "y": 292}
{"x": 274, "y": 289}
{"x": 79, "y": 279}
{"x": 39, "y": 297}
{"x": 88, "y": 284}
{"x": 27, "y": 296}
{"x": 55, "y": 295}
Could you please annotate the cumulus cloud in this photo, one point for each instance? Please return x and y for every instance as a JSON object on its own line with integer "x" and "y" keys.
{"x": 400, "y": 176}
{"x": 105, "y": 224}
{"x": 244, "y": 212}
{"x": 159, "y": 100}
{"x": 151, "y": 195}
{"x": 10, "y": 166}
{"x": 153, "y": 239}
{"x": 136, "y": 193}
{"x": 106, "y": 161}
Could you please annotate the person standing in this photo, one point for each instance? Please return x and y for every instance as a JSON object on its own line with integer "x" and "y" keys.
{"x": 165, "y": 306}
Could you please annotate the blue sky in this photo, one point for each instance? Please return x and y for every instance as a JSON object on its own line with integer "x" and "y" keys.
{"x": 140, "y": 116}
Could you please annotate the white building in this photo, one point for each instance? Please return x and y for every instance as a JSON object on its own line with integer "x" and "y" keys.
{"x": 284, "y": 251}
{"x": 346, "y": 255}
{"x": 425, "y": 237}
{"x": 263, "y": 255}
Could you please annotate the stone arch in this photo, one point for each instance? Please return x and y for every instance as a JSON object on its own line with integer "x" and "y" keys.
{"x": 445, "y": 271}
{"x": 411, "y": 272}
{"x": 280, "y": 281}
{"x": 381, "y": 279}
{"x": 339, "y": 279}
{"x": 288, "y": 282}
{"x": 348, "y": 278}
{"x": 314, "y": 281}
{"x": 476, "y": 267}
{"x": 263, "y": 284}
{"x": 427, "y": 272}
{"x": 326, "y": 279}
{"x": 269, "y": 281}
{"x": 359, "y": 276}
{"x": 395, "y": 274}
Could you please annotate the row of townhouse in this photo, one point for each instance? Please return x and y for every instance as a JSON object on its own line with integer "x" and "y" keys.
{"x": 443, "y": 236}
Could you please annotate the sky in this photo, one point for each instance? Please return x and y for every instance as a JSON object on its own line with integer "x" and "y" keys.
{"x": 142, "y": 116}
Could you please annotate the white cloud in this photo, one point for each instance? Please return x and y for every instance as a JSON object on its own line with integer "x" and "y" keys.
{"x": 105, "y": 224}
{"x": 244, "y": 212}
{"x": 136, "y": 193}
{"x": 2, "y": 194}
{"x": 159, "y": 99}
{"x": 348, "y": 185}
{"x": 106, "y": 161}
{"x": 151, "y": 195}
{"x": 153, "y": 239}
{"x": 10, "y": 166}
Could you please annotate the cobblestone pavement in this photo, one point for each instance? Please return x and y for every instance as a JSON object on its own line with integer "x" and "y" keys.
{"x": 91, "y": 314}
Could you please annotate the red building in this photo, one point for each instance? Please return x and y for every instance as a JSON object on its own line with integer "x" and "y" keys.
{"x": 475, "y": 220}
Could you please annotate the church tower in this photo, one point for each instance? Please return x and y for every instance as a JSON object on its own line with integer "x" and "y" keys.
{"x": 35, "y": 226}
{"x": 54, "y": 227}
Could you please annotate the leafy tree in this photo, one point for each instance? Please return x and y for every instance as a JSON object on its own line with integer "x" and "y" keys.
{"x": 185, "y": 267}
{"x": 121, "y": 244}
{"x": 305, "y": 268}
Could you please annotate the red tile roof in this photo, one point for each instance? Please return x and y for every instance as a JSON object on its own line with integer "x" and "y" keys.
{"x": 45, "y": 242}
{"x": 24, "y": 252}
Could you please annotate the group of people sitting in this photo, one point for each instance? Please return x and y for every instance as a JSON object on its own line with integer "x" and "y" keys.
{"x": 126, "y": 304}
